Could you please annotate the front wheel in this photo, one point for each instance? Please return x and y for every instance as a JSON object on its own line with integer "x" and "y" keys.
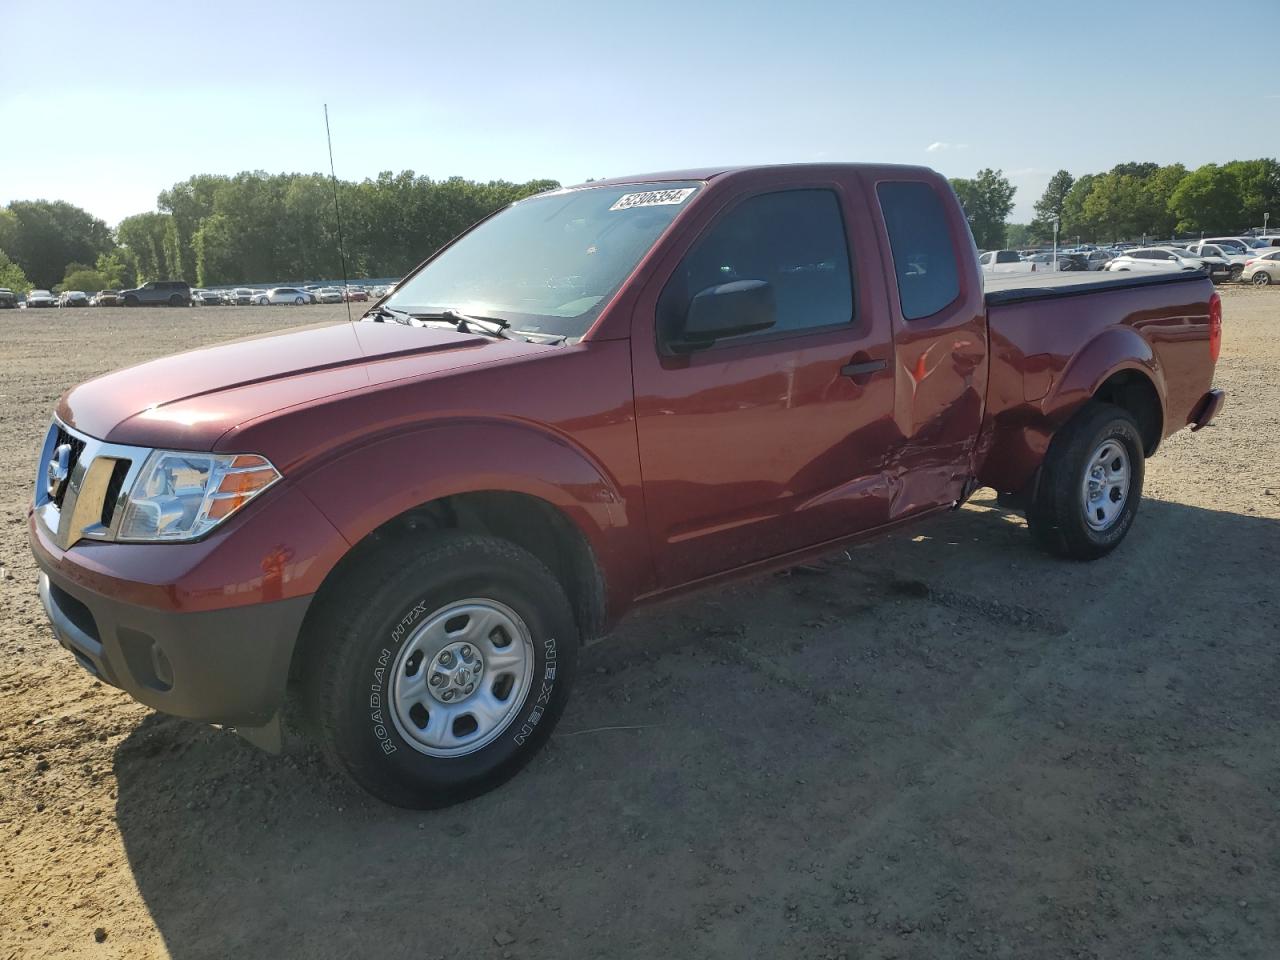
{"x": 437, "y": 670}
{"x": 1261, "y": 279}
{"x": 1090, "y": 484}
{"x": 1236, "y": 271}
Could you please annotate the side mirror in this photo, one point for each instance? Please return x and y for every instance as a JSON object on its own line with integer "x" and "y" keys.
{"x": 727, "y": 310}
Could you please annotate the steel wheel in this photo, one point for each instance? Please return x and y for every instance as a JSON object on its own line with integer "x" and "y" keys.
{"x": 461, "y": 678}
{"x": 1106, "y": 484}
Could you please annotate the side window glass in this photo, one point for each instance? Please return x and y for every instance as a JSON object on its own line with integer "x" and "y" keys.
{"x": 794, "y": 240}
{"x": 924, "y": 258}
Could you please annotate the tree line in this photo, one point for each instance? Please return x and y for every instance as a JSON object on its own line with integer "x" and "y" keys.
{"x": 252, "y": 227}
{"x": 215, "y": 230}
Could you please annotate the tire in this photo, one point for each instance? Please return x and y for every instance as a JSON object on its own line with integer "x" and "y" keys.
{"x": 1262, "y": 279}
{"x": 1236, "y": 272}
{"x": 395, "y": 625}
{"x": 131, "y": 301}
{"x": 1062, "y": 517}
{"x": 298, "y": 301}
{"x": 175, "y": 301}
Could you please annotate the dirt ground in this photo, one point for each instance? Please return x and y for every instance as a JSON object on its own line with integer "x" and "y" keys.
{"x": 940, "y": 745}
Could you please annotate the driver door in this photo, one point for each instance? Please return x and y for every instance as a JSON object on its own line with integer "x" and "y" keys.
{"x": 769, "y": 442}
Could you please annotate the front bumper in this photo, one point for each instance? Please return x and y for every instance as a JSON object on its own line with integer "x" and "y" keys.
{"x": 225, "y": 666}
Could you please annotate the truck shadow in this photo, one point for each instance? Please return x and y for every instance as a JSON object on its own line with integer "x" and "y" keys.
{"x": 734, "y": 760}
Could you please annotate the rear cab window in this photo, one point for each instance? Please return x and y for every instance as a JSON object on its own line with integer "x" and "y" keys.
{"x": 924, "y": 256}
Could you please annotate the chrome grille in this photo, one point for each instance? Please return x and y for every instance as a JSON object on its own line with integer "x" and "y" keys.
{"x": 99, "y": 476}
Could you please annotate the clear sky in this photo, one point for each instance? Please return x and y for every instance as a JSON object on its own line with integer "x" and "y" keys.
{"x": 106, "y": 104}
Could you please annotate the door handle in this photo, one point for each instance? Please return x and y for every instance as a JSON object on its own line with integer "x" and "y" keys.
{"x": 862, "y": 369}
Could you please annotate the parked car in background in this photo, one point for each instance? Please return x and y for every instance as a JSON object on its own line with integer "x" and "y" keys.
{"x": 1153, "y": 260}
{"x": 329, "y": 295}
{"x": 1073, "y": 261}
{"x": 291, "y": 295}
{"x": 206, "y": 298}
{"x": 355, "y": 294}
{"x": 8, "y": 299}
{"x": 73, "y": 298}
{"x": 1229, "y": 244}
{"x": 1264, "y": 269}
{"x": 41, "y": 298}
{"x": 107, "y": 298}
{"x": 1005, "y": 261}
{"x": 1234, "y": 259}
{"x": 174, "y": 293}
{"x": 240, "y": 296}
{"x": 406, "y": 527}
{"x": 1218, "y": 267}
{"x": 1098, "y": 259}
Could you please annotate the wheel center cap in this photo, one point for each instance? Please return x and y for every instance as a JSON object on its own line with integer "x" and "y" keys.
{"x": 455, "y": 672}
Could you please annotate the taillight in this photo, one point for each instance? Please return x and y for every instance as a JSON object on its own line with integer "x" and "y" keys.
{"x": 1215, "y": 327}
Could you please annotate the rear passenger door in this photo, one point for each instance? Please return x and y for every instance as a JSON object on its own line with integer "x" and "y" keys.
{"x": 940, "y": 338}
{"x": 769, "y": 442}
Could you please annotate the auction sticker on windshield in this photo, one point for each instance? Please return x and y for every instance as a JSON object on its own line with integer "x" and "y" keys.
{"x": 652, "y": 198}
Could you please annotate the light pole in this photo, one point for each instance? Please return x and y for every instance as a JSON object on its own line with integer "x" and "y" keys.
{"x": 1055, "y": 244}
{"x": 1266, "y": 218}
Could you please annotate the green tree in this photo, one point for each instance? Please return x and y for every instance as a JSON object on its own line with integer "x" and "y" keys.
{"x": 1114, "y": 206}
{"x": 1049, "y": 207}
{"x": 114, "y": 270}
{"x": 43, "y": 236}
{"x": 987, "y": 200}
{"x": 1158, "y": 219}
{"x": 1258, "y": 188}
{"x": 1208, "y": 200}
{"x": 11, "y": 275}
{"x": 1074, "y": 219}
{"x": 82, "y": 277}
{"x": 1019, "y": 235}
{"x": 143, "y": 236}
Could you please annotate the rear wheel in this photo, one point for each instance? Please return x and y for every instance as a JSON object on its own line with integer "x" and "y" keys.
{"x": 438, "y": 669}
{"x": 1090, "y": 484}
{"x": 175, "y": 300}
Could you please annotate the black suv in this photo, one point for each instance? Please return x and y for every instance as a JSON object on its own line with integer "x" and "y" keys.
{"x": 176, "y": 293}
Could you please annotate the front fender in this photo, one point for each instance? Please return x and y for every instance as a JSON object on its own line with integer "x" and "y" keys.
{"x": 368, "y": 486}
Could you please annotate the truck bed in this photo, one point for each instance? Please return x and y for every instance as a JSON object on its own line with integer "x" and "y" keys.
{"x": 1018, "y": 287}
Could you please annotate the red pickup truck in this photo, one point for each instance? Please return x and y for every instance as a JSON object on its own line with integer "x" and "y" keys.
{"x": 396, "y": 533}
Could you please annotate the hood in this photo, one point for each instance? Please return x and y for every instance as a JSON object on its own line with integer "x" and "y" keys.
{"x": 189, "y": 400}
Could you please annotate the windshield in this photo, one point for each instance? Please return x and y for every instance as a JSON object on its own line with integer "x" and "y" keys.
{"x": 547, "y": 264}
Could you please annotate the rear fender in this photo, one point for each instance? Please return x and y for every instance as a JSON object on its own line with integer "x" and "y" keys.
{"x": 1020, "y": 436}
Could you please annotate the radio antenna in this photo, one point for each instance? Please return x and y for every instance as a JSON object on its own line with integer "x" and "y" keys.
{"x": 337, "y": 213}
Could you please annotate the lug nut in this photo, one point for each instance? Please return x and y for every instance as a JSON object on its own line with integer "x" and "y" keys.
{"x": 447, "y": 695}
{"x": 470, "y": 687}
{"x": 466, "y": 653}
{"x": 475, "y": 668}
{"x": 446, "y": 658}
{"x": 437, "y": 679}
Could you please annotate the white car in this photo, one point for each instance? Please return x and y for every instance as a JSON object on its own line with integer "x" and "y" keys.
{"x": 1153, "y": 260}
{"x": 293, "y": 295}
{"x": 1005, "y": 261}
{"x": 41, "y": 298}
{"x": 1235, "y": 259}
{"x": 1264, "y": 269}
{"x": 328, "y": 295}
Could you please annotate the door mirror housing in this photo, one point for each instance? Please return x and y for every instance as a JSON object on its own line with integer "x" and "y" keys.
{"x": 727, "y": 310}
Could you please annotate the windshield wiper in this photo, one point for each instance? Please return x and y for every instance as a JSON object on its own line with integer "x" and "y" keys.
{"x": 382, "y": 313}
{"x": 490, "y": 325}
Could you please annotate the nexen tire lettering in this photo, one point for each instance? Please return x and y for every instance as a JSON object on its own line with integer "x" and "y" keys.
{"x": 544, "y": 695}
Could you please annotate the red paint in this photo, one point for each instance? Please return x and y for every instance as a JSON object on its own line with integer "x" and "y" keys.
{"x": 676, "y": 469}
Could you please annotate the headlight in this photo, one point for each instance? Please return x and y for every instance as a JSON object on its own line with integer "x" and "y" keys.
{"x": 182, "y": 496}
